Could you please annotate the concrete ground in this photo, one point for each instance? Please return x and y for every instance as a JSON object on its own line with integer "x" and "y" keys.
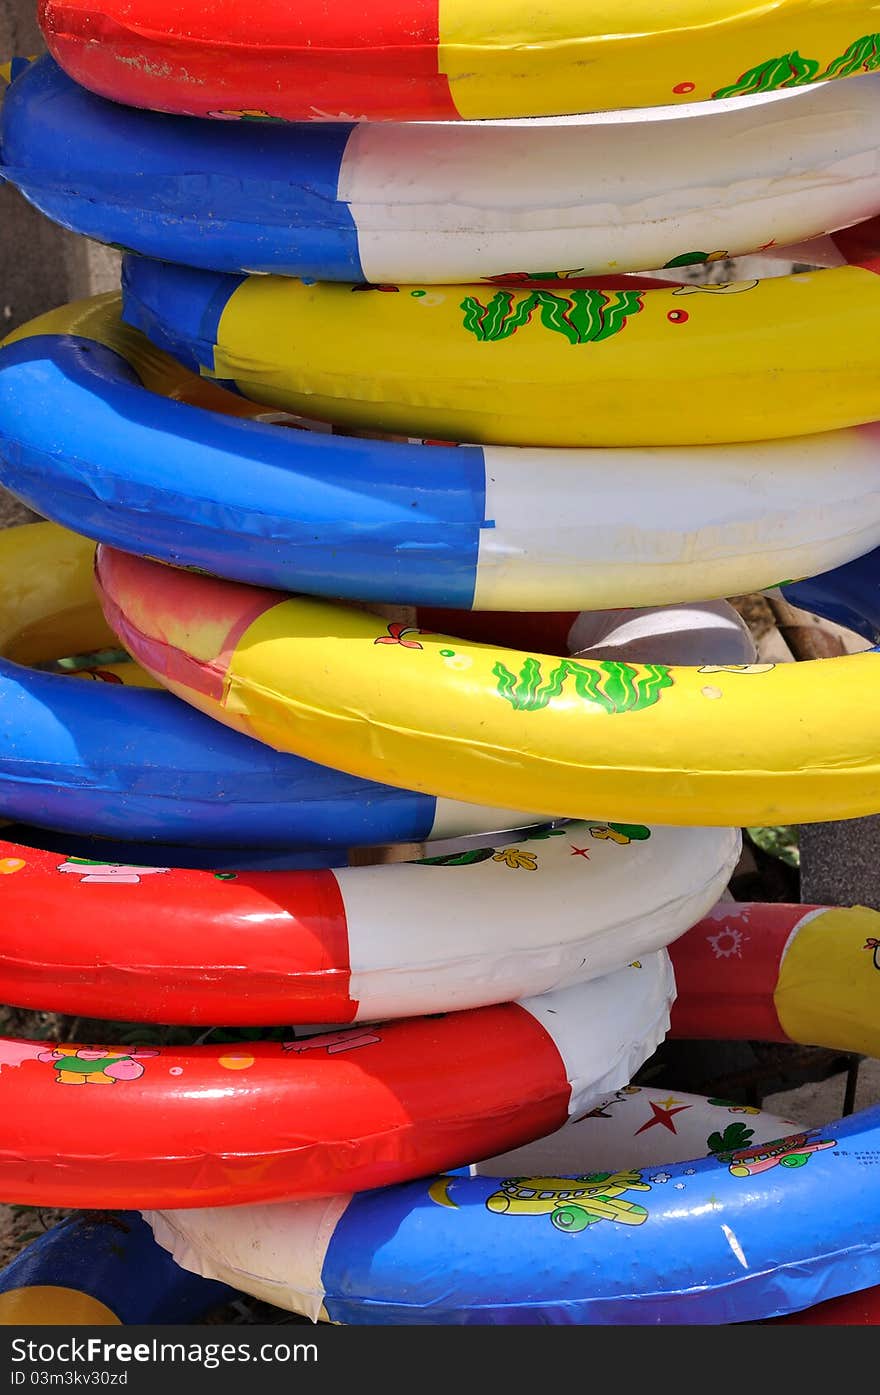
{"x": 820, "y": 1101}
{"x": 41, "y": 266}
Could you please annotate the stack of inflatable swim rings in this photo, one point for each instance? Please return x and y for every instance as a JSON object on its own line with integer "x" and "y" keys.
{"x": 341, "y": 370}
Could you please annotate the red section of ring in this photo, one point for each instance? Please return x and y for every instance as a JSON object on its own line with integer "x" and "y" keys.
{"x": 299, "y": 62}
{"x": 223, "y": 1125}
{"x": 189, "y": 947}
{"x": 535, "y": 631}
{"x": 849, "y": 1310}
{"x": 860, "y": 244}
{"x": 726, "y": 971}
{"x": 172, "y": 592}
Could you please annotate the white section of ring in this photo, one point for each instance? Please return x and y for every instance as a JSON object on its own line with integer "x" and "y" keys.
{"x": 644, "y": 526}
{"x": 638, "y": 1126}
{"x": 456, "y": 201}
{"x": 252, "y": 1251}
{"x": 621, "y": 1021}
{"x": 534, "y": 915}
{"x": 455, "y": 819}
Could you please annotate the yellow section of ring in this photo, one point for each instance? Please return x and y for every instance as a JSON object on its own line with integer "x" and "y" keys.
{"x": 53, "y": 1305}
{"x": 48, "y": 605}
{"x": 563, "y": 366}
{"x": 828, "y": 990}
{"x": 507, "y": 57}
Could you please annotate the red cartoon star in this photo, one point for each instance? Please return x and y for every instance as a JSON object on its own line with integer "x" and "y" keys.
{"x": 579, "y": 852}
{"x": 663, "y": 1114}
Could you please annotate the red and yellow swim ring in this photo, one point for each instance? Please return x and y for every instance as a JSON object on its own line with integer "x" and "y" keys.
{"x": 445, "y": 59}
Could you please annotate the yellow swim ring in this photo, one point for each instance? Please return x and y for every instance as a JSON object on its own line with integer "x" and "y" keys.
{"x": 742, "y": 744}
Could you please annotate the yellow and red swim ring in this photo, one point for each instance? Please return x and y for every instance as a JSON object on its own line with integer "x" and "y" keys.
{"x": 738, "y": 744}
{"x": 447, "y": 59}
{"x": 776, "y": 972}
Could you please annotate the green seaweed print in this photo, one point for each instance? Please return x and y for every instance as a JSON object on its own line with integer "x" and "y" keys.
{"x": 863, "y": 56}
{"x": 611, "y": 685}
{"x": 581, "y": 316}
{"x": 792, "y": 70}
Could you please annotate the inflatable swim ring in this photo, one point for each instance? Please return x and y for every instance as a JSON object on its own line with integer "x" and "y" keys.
{"x": 83, "y": 442}
{"x": 803, "y": 974}
{"x": 848, "y": 595}
{"x": 316, "y": 1115}
{"x": 434, "y": 202}
{"x": 746, "y": 744}
{"x": 603, "y": 1211}
{"x": 236, "y": 60}
{"x": 107, "y": 758}
{"x": 768, "y": 1223}
{"x": 519, "y": 366}
{"x": 101, "y": 1270}
{"x": 494, "y": 923}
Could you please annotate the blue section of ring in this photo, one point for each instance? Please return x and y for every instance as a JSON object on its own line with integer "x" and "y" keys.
{"x": 103, "y": 760}
{"x": 227, "y": 196}
{"x": 697, "y": 1244}
{"x": 848, "y": 595}
{"x": 198, "y": 298}
{"x": 83, "y": 443}
{"x": 111, "y": 1256}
